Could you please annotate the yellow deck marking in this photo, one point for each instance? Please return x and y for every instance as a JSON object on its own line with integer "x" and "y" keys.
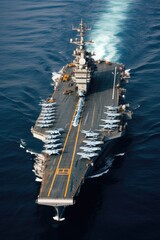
{"x": 73, "y": 156}
{"x": 60, "y": 158}
{"x": 93, "y": 115}
{"x": 63, "y": 171}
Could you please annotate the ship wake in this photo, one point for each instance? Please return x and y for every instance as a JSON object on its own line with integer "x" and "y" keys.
{"x": 23, "y": 144}
{"x": 107, "y": 28}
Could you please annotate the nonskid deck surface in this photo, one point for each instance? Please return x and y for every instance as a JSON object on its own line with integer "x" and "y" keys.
{"x": 64, "y": 173}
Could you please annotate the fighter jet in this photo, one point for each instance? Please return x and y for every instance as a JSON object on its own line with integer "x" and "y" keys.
{"x": 90, "y": 149}
{"x": 110, "y": 121}
{"x": 46, "y": 117}
{"x": 87, "y": 155}
{"x": 51, "y": 146}
{"x": 111, "y": 107}
{"x": 90, "y": 133}
{"x": 112, "y": 114}
{"x": 48, "y": 111}
{"x": 48, "y": 107}
{"x": 92, "y": 143}
{"x": 45, "y": 125}
{"x": 49, "y": 137}
{"x": 112, "y": 110}
{"x": 53, "y": 151}
{"x": 46, "y": 121}
{"x": 59, "y": 129}
{"x": 47, "y": 104}
{"x": 56, "y": 131}
{"x": 109, "y": 117}
{"x": 52, "y": 141}
{"x": 109, "y": 126}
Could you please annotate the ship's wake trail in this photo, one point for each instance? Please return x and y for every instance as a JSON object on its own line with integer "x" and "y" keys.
{"x": 31, "y": 152}
{"x": 22, "y": 143}
{"x": 106, "y": 30}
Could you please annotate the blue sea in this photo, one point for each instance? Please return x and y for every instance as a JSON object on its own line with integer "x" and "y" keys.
{"x": 124, "y": 203}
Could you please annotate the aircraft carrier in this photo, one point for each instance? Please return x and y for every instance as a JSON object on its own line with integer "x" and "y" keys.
{"x": 77, "y": 122}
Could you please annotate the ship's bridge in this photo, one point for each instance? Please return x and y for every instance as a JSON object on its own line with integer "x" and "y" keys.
{"x": 82, "y": 72}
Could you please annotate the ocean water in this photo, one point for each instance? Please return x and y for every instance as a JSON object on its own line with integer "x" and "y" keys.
{"x": 124, "y": 203}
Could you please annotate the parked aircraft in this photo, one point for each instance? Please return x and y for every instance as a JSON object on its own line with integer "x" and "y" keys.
{"x": 52, "y": 145}
{"x": 49, "y": 137}
{"x": 55, "y": 131}
{"x": 87, "y": 155}
{"x": 59, "y": 129}
{"x": 46, "y": 121}
{"x": 112, "y": 107}
{"x": 52, "y": 141}
{"x": 47, "y": 104}
{"x": 92, "y": 143}
{"x": 48, "y": 113}
{"x": 112, "y": 114}
{"x": 90, "y": 133}
{"x": 48, "y": 110}
{"x": 44, "y": 125}
{"x": 46, "y": 117}
{"x": 90, "y": 149}
{"x": 109, "y": 126}
{"x": 53, "y": 151}
{"x": 110, "y": 121}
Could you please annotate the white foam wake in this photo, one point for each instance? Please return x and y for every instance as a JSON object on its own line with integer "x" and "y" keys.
{"x": 22, "y": 143}
{"x": 105, "y": 31}
{"x": 119, "y": 154}
{"x": 99, "y": 174}
{"x": 55, "y": 76}
{"x": 31, "y": 152}
{"x": 21, "y": 146}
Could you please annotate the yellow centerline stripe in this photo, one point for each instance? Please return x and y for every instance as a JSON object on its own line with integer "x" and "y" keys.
{"x": 73, "y": 156}
{"x": 60, "y": 158}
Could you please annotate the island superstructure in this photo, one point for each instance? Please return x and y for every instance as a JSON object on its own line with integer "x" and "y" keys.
{"x": 85, "y": 113}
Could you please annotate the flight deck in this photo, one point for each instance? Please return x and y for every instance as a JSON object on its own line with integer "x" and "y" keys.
{"x": 65, "y": 172}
